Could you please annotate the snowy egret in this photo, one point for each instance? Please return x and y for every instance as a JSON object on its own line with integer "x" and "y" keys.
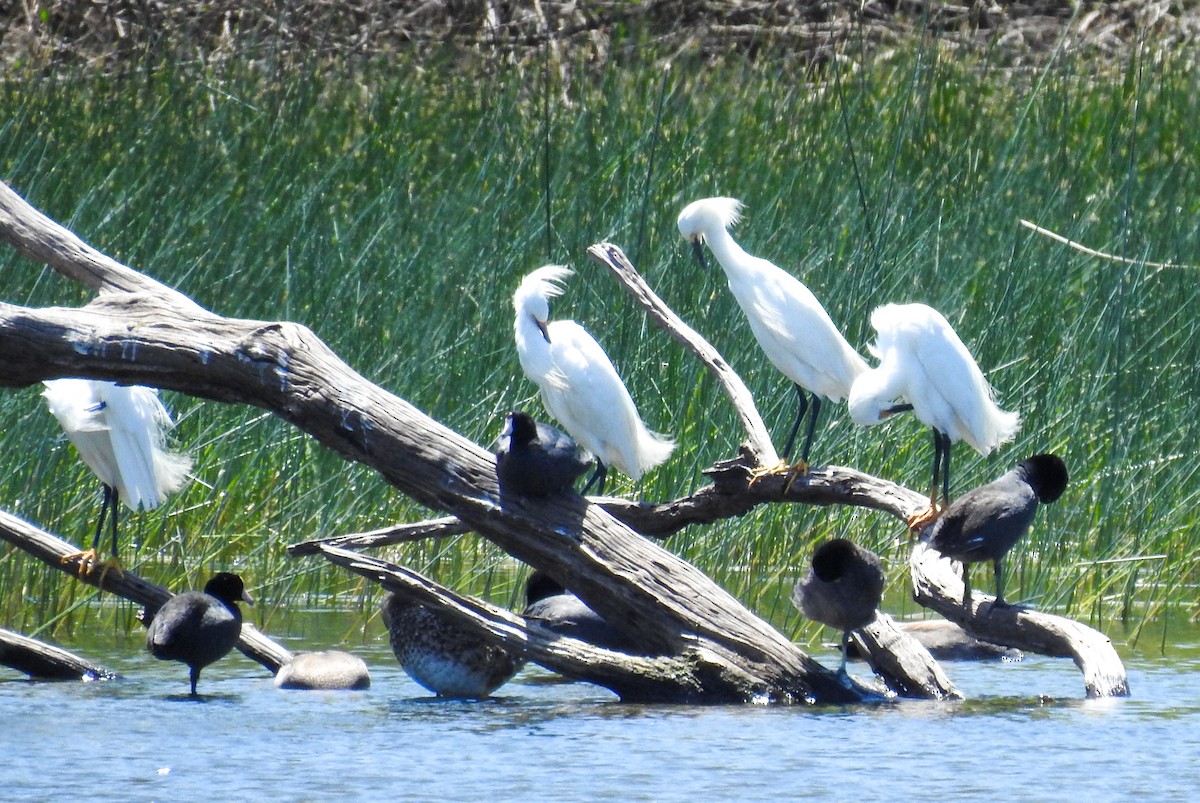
{"x": 985, "y": 522}
{"x": 579, "y": 385}
{"x": 443, "y": 656}
{"x": 119, "y": 432}
{"x": 199, "y": 627}
{"x": 535, "y": 459}
{"x": 923, "y": 361}
{"x": 551, "y": 605}
{"x": 791, "y": 326}
{"x": 843, "y": 588}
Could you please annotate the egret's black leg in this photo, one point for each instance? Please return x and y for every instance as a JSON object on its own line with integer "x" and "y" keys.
{"x": 945, "y": 467}
{"x": 791, "y": 441}
{"x": 937, "y": 467}
{"x": 105, "y": 501}
{"x": 193, "y": 675}
{"x": 812, "y": 426}
{"x": 112, "y": 501}
{"x": 597, "y": 478}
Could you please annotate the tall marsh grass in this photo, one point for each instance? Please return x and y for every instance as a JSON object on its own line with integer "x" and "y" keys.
{"x": 394, "y": 211}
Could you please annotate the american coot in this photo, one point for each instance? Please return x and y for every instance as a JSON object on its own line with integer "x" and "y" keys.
{"x": 535, "y": 459}
{"x": 985, "y": 522}
{"x": 843, "y": 588}
{"x": 788, "y": 321}
{"x": 199, "y": 627}
{"x": 579, "y": 385}
{"x": 443, "y": 656}
{"x": 119, "y": 432}
{"x": 923, "y": 361}
{"x": 549, "y": 604}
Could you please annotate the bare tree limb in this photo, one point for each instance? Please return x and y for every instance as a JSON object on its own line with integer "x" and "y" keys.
{"x": 613, "y": 258}
{"x": 45, "y": 661}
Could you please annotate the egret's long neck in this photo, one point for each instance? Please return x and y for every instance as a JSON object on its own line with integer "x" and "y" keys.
{"x": 733, "y": 257}
{"x": 532, "y": 347}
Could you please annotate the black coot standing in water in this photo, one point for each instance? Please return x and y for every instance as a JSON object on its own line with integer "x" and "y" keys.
{"x": 843, "y": 589}
{"x": 985, "y": 522}
{"x": 199, "y": 627}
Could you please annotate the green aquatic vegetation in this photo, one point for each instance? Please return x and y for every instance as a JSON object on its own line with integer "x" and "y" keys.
{"x": 394, "y": 211}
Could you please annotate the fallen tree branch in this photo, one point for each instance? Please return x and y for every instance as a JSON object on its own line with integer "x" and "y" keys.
{"x": 700, "y": 672}
{"x": 43, "y": 661}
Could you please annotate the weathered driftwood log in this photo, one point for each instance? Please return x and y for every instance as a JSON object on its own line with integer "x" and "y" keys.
{"x": 45, "y": 661}
{"x": 140, "y": 331}
{"x": 902, "y": 662}
{"x": 55, "y": 552}
{"x": 936, "y": 585}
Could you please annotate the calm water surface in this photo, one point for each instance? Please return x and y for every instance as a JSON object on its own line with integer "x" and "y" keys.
{"x": 1024, "y": 734}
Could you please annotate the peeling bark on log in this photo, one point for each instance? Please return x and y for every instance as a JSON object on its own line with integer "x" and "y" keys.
{"x": 61, "y": 555}
{"x": 140, "y": 331}
{"x": 45, "y": 661}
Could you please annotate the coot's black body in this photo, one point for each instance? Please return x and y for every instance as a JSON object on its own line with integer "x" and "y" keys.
{"x": 843, "y": 588}
{"x": 535, "y": 459}
{"x": 199, "y": 627}
{"x": 984, "y": 523}
{"x": 551, "y": 605}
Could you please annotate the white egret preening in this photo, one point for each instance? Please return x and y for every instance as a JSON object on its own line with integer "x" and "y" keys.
{"x": 986, "y": 522}
{"x": 791, "y": 326}
{"x": 119, "y": 432}
{"x": 579, "y": 385}
{"x": 923, "y": 362}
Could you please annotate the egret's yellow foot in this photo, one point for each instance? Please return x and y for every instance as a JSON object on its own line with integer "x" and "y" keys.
{"x": 89, "y": 562}
{"x": 110, "y": 565}
{"x": 87, "y": 559}
{"x": 793, "y": 470}
{"x": 923, "y": 519}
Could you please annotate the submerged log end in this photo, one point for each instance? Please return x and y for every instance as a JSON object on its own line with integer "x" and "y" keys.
{"x": 45, "y": 661}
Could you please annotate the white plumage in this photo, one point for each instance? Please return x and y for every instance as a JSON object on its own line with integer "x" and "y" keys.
{"x": 578, "y": 383}
{"x": 789, "y": 323}
{"x": 923, "y": 361}
{"x": 119, "y": 432}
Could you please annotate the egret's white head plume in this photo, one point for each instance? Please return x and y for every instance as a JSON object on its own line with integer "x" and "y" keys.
{"x": 700, "y": 219}
{"x": 535, "y": 291}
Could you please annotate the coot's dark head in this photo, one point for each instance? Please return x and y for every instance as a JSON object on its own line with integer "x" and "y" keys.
{"x": 834, "y": 558}
{"x": 1047, "y": 475}
{"x": 228, "y": 588}
{"x": 540, "y": 585}
{"x": 520, "y": 427}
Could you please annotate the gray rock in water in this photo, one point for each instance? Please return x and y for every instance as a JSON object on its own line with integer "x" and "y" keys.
{"x": 324, "y": 670}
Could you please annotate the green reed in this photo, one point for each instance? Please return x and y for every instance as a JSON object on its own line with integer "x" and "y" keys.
{"x": 394, "y": 211}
